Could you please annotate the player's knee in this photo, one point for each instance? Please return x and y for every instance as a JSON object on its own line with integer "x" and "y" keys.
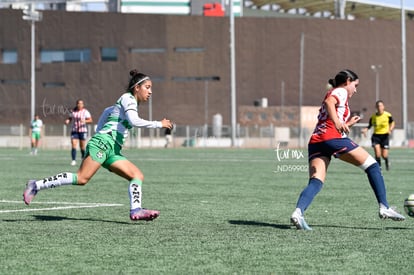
{"x": 367, "y": 163}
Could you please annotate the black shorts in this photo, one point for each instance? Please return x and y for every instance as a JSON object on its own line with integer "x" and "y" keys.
{"x": 79, "y": 135}
{"x": 383, "y": 140}
{"x": 334, "y": 147}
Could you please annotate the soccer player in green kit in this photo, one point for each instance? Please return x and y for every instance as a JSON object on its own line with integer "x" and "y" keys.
{"x": 104, "y": 148}
{"x": 35, "y": 133}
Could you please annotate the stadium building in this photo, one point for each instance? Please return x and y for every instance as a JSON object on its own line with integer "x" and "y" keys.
{"x": 285, "y": 51}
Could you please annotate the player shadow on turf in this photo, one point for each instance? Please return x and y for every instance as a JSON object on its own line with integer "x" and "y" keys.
{"x": 363, "y": 228}
{"x": 286, "y": 226}
{"x": 61, "y": 218}
{"x": 255, "y": 223}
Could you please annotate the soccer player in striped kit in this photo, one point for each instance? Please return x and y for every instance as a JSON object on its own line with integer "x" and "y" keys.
{"x": 330, "y": 139}
{"x": 79, "y": 117}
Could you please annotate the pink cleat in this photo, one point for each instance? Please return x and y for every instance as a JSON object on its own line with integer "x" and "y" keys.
{"x": 30, "y": 191}
{"x": 143, "y": 214}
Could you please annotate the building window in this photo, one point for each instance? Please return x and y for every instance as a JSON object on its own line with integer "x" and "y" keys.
{"x": 147, "y": 50}
{"x": 109, "y": 54}
{"x": 53, "y": 84}
{"x": 277, "y": 116}
{"x": 71, "y": 55}
{"x": 249, "y": 115}
{"x": 290, "y": 116}
{"x": 157, "y": 78}
{"x": 9, "y": 56}
{"x": 13, "y": 81}
{"x": 263, "y": 116}
{"x": 188, "y": 50}
{"x": 195, "y": 78}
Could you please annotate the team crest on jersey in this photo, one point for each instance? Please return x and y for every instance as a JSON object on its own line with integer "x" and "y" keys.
{"x": 99, "y": 155}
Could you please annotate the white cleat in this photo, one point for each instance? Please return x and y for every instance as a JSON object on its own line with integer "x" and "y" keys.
{"x": 298, "y": 220}
{"x": 390, "y": 213}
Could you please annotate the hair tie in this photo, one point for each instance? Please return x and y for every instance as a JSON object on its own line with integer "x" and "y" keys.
{"x": 139, "y": 81}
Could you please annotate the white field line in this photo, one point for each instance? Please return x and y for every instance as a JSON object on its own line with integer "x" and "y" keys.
{"x": 70, "y": 205}
{"x": 54, "y": 202}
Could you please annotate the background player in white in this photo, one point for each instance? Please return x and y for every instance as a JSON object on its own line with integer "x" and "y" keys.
{"x": 79, "y": 117}
{"x": 104, "y": 148}
{"x": 35, "y": 133}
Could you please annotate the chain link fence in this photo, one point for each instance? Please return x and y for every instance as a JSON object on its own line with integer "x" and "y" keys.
{"x": 58, "y": 136}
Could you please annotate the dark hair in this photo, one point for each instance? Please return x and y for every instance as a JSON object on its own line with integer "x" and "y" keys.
{"x": 342, "y": 77}
{"x": 137, "y": 78}
{"x": 378, "y": 102}
{"x": 76, "y": 106}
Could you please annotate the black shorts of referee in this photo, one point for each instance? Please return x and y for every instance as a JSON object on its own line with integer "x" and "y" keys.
{"x": 382, "y": 139}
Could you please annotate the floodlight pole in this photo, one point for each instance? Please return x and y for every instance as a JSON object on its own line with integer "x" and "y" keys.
{"x": 376, "y": 69}
{"x": 404, "y": 73}
{"x": 301, "y": 71}
{"x": 151, "y": 131}
{"x": 32, "y": 70}
{"x": 32, "y": 16}
{"x": 205, "y": 108}
{"x": 232, "y": 77}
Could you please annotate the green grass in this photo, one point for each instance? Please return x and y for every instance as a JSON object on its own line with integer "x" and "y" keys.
{"x": 222, "y": 211}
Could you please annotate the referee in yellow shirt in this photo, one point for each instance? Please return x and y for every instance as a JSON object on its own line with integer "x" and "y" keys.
{"x": 383, "y": 124}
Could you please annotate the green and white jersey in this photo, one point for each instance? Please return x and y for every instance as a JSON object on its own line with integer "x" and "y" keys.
{"x": 36, "y": 125}
{"x": 116, "y": 120}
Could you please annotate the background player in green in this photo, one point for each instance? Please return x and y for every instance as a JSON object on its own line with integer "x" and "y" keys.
{"x": 35, "y": 133}
{"x": 104, "y": 148}
{"x": 383, "y": 124}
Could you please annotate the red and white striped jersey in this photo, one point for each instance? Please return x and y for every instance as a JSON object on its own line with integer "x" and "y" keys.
{"x": 325, "y": 128}
{"x": 78, "y": 118}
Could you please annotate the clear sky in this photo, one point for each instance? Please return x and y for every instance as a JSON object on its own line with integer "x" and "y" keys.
{"x": 408, "y": 4}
